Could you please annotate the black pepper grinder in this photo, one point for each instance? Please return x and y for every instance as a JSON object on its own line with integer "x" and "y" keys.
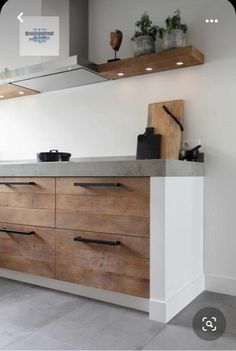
{"x": 149, "y": 145}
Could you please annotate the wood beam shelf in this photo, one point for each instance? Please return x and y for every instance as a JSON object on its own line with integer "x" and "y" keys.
{"x": 162, "y": 61}
{"x": 10, "y": 91}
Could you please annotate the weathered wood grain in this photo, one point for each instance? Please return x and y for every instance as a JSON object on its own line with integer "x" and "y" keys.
{"x": 28, "y": 204}
{"x": 130, "y": 185}
{"x": 123, "y": 268}
{"x": 34, "y": 254}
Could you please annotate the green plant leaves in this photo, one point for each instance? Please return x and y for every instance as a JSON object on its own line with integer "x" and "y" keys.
{"x": 145, "y": 27}
{"x": 173, "y": 22}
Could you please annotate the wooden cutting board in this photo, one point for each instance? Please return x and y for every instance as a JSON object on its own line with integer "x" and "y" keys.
{"x": 163, "y": 124}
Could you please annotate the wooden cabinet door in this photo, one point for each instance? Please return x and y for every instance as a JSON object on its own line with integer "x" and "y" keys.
{"x": 122, "y": 268}
{"x": 29, "y": 201}
{"x": 27, "y": 249}
{"x": 106, "y": 205}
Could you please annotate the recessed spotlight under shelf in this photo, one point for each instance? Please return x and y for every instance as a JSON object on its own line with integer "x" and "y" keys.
{"x": 212, "y": 20}
{"x": 180, "y": 63}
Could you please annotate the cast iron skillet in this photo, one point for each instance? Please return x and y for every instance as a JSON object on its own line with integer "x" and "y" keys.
{"x": 53, "y": 156}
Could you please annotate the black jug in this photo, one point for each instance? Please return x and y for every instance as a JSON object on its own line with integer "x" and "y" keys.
{"x": 149, "y": 145}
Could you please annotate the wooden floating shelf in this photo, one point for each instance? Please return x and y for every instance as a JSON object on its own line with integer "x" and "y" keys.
{"x": 162, "y": 61}
{"x": 10, "y": 91}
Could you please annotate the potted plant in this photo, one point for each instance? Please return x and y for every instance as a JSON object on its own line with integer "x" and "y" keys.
{"x": 174, "y": 35}
{"x": 144, "y": 38}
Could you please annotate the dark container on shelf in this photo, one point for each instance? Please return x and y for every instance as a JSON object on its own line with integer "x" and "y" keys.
{"x": 149, "y": 145}
{"x": 53, "y": 156}
{"x": 193, "y": 155}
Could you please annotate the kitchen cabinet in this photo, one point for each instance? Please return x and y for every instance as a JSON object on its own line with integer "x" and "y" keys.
{"x": 29, "y": 201}
{"x": 109, "y": 205}
{"x": 108, "y": 209}
{"x": 40, "y": 217}
{"x": 28, "y": 249}
{"x": 127, "y": 232}
{"x": 122, "y": 267}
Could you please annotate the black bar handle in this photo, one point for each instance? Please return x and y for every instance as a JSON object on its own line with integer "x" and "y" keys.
{"x": 95, "y": 241}
{"x": 111, "y": 185}
{"x": 17, "y": 183}
{"x": 13, "y": 231}
{"x": 174, "y": 118}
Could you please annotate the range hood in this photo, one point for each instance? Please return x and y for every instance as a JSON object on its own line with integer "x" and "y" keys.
{"x": 53, "y": 75}
{"x": 73, "y": 68}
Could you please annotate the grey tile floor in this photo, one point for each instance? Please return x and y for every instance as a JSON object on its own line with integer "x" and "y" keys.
{"x": 34, "y": 318}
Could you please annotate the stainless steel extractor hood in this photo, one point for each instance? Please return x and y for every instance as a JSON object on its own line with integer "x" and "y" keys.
{"x": 53, "y": 75}
{"x": 72, "y": 71}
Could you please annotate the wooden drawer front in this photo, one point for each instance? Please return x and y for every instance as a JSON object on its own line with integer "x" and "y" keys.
{"x": 123, "y": 268}
{"x": 34, "y": 254}
{"x": 118, "y": 210}
{"x": 30, "y": 204}
{"x": 127, "y": 186}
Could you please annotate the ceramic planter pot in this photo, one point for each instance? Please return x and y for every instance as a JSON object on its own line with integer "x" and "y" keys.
{"x": 175, "y": 39}
{"x": 144, "y": 45}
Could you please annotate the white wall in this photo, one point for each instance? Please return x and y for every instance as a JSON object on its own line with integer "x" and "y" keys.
{"x": 105, "y": 119}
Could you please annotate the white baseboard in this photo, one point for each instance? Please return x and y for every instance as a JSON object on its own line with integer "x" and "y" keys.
{"x": 222, "y": 285}
{"x": 134, "y": 302}
{"x": 164, "y": 311}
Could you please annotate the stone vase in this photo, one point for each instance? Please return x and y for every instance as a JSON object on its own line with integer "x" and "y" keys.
{"x": 144, "y": 45}
{"x": 175, "y": 39}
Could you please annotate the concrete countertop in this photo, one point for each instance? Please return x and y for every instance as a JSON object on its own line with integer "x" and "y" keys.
{"x": 102, "y": 167}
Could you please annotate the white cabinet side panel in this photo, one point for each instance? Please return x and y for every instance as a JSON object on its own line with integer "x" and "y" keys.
{"x": 157, "y": 239}
{"x": 184, "y": 232}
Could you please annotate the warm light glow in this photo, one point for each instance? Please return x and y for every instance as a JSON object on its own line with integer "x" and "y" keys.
{"x": 149, "y": 69}
{"x": 21, "y": 93}
{"x": 120, "y": 74}
{"x": 179, "y": 63}
{"x": 212, "y": 20}
{"x": 2, "y": 96}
